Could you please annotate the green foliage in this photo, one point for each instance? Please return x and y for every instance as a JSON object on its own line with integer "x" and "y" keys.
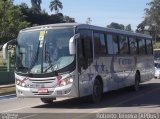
{"x": 14, "y": 18}
{"x": 56, "y": 5}
{"x": 68, "y": 19}
{"x": 36, "y": 5}
{"x": 11, "y": 20}
{"x": 116, "y": 26}
{"x": 128, "y": 27}
{"x": 151, "y": 23}
{"x": 120, "y": 26}
{"x": 43, "y": 18}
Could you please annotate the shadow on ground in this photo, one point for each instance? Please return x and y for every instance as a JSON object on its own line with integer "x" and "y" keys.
{"x": 126, "y": 97}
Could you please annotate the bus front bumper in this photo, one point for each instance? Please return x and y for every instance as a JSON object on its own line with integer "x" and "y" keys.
{"x": 65, "y": 91}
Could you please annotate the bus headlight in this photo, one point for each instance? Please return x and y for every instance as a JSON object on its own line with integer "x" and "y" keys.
{"x": 20, "y": 83}
{"x": 17, "y": 82}
{"x": 23, "y": 84}
{"x": 66, "y": 81}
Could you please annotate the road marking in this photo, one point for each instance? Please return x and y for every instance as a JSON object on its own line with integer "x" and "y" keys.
{"x": 17, "y": 109}
{"x": 33, "y": 115}
{"x": 123, "y": 102}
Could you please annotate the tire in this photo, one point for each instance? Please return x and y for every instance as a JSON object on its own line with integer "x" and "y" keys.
{"x": 97, "y": 91}
{"x": 47, "y": 100}
{"x": 137, "y": 82}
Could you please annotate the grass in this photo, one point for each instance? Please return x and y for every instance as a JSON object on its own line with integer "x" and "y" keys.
{"x": 7, "y": 90}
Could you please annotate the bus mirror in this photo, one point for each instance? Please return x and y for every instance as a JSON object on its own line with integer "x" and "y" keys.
{"x": 5, "y": 48}
{"x": 5, "y": 51}
{"x": 72, "y": 44}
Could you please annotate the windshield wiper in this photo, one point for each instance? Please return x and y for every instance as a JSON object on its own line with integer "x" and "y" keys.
{"x": 50, "y": 67}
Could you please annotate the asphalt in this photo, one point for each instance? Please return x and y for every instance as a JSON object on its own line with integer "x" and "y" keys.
{"x": 143, "y": 103}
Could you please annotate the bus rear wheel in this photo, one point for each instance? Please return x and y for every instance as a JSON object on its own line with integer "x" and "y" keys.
{"x": 47, "y": 100}
{"x": 97, "y": 91}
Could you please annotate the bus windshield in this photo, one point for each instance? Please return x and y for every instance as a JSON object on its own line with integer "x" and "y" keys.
{"x": 51, "y": 53}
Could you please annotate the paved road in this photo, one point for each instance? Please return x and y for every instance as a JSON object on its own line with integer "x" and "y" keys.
{"x": 147, "y": 100}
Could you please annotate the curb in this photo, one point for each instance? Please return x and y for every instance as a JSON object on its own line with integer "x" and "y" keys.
{"x": 7, "y": 86}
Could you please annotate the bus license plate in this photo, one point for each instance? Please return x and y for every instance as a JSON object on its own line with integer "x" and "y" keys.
{"x": 43, "y": 90}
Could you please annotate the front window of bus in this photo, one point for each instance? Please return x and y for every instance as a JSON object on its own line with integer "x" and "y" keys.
{"x": 53, "y": 55}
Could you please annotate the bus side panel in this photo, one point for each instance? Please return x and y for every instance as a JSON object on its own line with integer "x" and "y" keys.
{"x": 126, "y": 66}
{"x": 116, "y": 72}
{"x": 145, "y": 64}
{"x": 102, "y": 67}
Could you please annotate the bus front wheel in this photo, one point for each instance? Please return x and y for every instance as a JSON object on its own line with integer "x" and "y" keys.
{"x": 47, "y": 100}
{"x": 97, "y": 91}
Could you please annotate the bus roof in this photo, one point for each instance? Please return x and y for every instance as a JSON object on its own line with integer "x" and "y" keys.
{"x": 87, "y": 26}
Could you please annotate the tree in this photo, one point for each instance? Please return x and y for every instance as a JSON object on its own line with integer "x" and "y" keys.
{"x": 88, "y": 21}
{"x": 36, "y": 5}
{"x": 116, "y": 26}
{"x": 120, "y": 26}
{"x": 43, "y": 18}
{"x": 11, "y": 20}
{"x": 24, "y": 5}
{"x": 68, "y": 19}
{"x": 128, "y": 27}
{"x": 56, "y": 5}
{"x": 151, "y": 22}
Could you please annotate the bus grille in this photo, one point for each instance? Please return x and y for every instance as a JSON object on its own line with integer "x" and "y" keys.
{"x": 36, "y": 93}
{"x": 42, "y": 80}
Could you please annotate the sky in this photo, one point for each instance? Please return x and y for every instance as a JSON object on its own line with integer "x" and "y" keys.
{"x": 101, "y": 12}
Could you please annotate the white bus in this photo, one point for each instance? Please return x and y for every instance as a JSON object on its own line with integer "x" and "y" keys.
{"x": 76, "y": 60}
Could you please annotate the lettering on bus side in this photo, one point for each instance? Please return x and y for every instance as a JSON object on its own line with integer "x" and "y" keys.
{"x": 125, "y": 62}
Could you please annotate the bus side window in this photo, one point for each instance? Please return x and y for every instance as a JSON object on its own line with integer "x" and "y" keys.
{"x": 149, "y": 46}
{"x": 123, "y": 42}
{"x": 85, "y": 54}
{"x": 133, "y": 46}
{"x": 99, "y": 44}
{"x": 110, "y": 44}
{"x": 142, "y": 47}
{"x": 115, "y": 44}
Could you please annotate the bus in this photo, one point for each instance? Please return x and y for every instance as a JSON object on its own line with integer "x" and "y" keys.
{"x": 77, "y": 60}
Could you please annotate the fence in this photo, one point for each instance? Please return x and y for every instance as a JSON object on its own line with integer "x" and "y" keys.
{"x": 6, "y": 70}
